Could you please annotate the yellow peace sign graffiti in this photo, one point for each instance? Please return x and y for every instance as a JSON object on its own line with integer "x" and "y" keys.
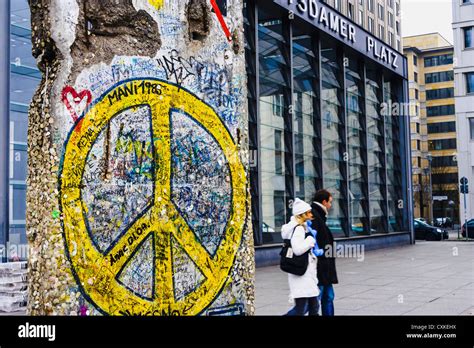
{"x": 96, "y": 276}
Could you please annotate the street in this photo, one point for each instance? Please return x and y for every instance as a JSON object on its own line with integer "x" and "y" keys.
{"x": 428, "y": 278}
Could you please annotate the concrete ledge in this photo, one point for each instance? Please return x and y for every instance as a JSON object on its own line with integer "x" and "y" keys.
{"x": 269, "y": 255}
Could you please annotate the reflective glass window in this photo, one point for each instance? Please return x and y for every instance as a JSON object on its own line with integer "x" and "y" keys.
{"x": 395, "y": 194}
{"x": 376, "y": 155}
{"x": 470, "y": 82}
{"x": 468, "y": 37}
{"x": 333, "y": 135}
{"x": 306, "y": 125}
{"x": 274, "y": 101}
{"x": 357, "y": 148}
{"x": 24, "y": 80}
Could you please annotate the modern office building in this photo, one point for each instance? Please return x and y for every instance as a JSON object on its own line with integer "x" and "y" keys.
{"x": 433, "y": 126}
{"x": 321, "y": 91}
{"x": 463, "y": 27}
{"x": 20, "y": 78}
{"x": 317, "y": 87}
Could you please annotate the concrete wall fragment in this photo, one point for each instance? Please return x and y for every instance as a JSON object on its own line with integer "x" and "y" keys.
{"x": 138, "y": 199}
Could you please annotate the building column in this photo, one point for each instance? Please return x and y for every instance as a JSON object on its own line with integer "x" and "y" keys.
{"x": 4, "y": 123}
{"x": 407, "y": 170}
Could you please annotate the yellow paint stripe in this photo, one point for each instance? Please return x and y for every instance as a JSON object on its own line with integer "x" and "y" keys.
{"x": 156, "y": 3}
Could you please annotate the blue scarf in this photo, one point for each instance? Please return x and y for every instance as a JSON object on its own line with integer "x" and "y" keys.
{"x": 316, "y": 250}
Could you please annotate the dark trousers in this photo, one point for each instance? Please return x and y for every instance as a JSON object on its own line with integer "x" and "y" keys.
{"x": 327, "y": 300}
{"x": 304, "y": 304}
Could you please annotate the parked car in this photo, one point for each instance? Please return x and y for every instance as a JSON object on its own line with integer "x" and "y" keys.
{"x": 335, "y": 225}
{"x": 428, "y": 232}
{"x": 359, "y": 228}
{"x": 443, "y": 222}
{"x": 422, "y": 220}
{"x": 470, "y": 227}
{"x": 266, "y": 228}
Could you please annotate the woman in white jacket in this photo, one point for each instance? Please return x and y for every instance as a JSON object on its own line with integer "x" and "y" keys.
{"x": 303, "y": 289}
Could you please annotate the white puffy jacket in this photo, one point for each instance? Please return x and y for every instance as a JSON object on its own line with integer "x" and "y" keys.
{"x": 307, "y": 284}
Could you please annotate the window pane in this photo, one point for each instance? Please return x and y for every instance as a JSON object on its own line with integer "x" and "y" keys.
{"x": 19, "y": 126}
{"x": 18, "y": 201}
{"x": 471, "y": 124}
{"x": 20, "y": 54}
{"x": 18, "y": 237}
{"x": 468, "y": 37}
{"x": 393, "y": 162}
{"x": 439, "y": 60}
{"x": 307, "y": 148}
{"x": 22, "y": 88}
{"x": 442, "y": 127}
{"x": 24, "y": 80}
{"x": 445, "y": 178}
{"x": 443, "y": 144}
{"x": 376, "y": 156}
{"x": 358, "y": 204}
{"x": 441, "y": 93}
{"x": 440, "y": 110}
{"x": 439, "y": 77}
{"x": 273, "y": 106}
{"x": 18, "y": 163}
{"x": 470, "y": 82}
{"x": 444, "y": 161}
{"x": 333, "y": 134}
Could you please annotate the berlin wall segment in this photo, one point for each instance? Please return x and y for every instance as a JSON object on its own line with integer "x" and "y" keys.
{"x": 138, "y": 197}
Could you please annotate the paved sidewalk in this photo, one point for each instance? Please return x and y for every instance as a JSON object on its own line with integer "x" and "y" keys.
{"x": 428, "y": 278}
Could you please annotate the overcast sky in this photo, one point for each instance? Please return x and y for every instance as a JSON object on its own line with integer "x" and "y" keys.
{"x": 427, "y": 16}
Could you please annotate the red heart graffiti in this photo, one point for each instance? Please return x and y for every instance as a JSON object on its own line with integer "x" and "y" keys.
{"x": 77, "y": 98}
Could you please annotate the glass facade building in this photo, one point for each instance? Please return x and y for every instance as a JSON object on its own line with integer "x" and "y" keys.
{"x": 320, "y": 116}
{"x": 24, "y": 78}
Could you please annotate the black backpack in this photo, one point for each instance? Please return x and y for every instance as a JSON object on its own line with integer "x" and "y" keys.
{"x": 289, "y": 262}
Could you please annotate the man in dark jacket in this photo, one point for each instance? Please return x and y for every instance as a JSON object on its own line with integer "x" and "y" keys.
{"x": 327, "y": 275}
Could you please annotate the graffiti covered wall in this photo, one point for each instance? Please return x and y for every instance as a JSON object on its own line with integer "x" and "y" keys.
{"x": 138, "y": 200}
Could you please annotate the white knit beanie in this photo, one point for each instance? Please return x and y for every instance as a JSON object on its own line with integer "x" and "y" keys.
{"x": 300, "y": 207}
